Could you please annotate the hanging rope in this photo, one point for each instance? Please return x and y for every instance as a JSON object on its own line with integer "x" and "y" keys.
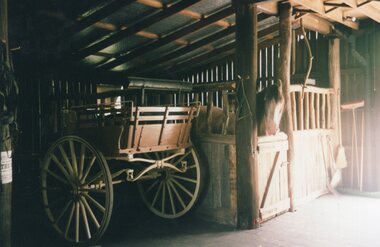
{"x": 310, "y": 55}
{"x": 244, "y": 102}
{"x": 8, "y": 96}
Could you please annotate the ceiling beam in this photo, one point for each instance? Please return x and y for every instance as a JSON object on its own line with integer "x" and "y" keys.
{"x": 265, "y": 32}
{"x": 365, "y": 9}
{"x": 334, "y": 13}
{"x": 133, "y": 29}
{"x": 169, "y": 38}
{"x": 161, "y": 61}
{"x": 185, "y": 12}
{"x": 101, "y": 13}
{"x": 314, "y": 23}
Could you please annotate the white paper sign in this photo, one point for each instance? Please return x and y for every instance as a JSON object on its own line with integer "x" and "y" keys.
{"x": 6, "y": 167}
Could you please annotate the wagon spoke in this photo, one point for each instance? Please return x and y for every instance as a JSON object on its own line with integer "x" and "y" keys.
{"x": 88, "y": 168}
{"x": 81, "y": 159}
{"x": 77, "y": 222}
{"x": 85, "y": 220}
{"x": 91, "y": 213}
{"x": 60, "y": 166}
{"x": 171, "y": 198}
{"x": 96, "y": 203}
{"x": 94, "y": 178}
{"x": 156, "y": 195}
{"x": 73, "y": 158}
{"x": 151, "y": 186}
{"x": 63, "y": 211}
{"x": 185, "y": 179}
{"x": 182, "y": 187}
{"x": 163, "y": 197}
{"x": 177, "y": 194}
{"x": 66, "y": 159}
{"x": 191, "y": 167}
{"x": 69, "y": 219}
{"x": 182, "y": 157}
{"x": 54, "y": 175}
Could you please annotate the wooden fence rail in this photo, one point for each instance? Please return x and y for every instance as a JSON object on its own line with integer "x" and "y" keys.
{"x": 311, "y": 107}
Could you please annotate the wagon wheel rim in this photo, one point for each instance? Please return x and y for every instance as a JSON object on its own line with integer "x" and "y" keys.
{"x": 77, "y": 190}
{"x": 173, "y": 194}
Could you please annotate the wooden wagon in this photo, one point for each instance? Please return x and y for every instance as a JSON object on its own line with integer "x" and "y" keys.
{"x": 77, "y": 182}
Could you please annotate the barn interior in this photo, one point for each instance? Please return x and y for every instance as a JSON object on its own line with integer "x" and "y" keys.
{"x": 82, "y": 66}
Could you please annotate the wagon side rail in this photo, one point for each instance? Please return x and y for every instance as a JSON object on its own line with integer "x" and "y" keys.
{"x": 159, "y": 128}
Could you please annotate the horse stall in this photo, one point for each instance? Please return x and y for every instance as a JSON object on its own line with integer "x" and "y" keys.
{"x": 313, "y": 139}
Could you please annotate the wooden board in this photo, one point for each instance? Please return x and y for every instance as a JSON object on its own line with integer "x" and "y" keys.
{"x": 309, "y": 167}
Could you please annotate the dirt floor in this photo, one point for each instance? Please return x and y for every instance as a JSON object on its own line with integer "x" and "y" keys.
{"x": 328, "y": 221}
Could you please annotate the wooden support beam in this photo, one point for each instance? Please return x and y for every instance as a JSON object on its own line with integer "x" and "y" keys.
{"x": 133, "y": 29}
{"x": 269, "y": 8}
{"x": 248, "y": 199}
{"x": 333, "y": 13}
{"x": 5, "y": 145}
{"x": 101, "y": 13}
{"x": 285, "y": 11}
{"x": 168, "y": 38}
{"x": 365, "y": 9}
{"x": 335, "y": 83}
{"x": 314, "y": 23}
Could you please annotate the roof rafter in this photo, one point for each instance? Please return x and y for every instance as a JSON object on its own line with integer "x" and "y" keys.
{"x": 180, "y": 52}
{"x": 97, "y": 15}
{"x": 169, "y": 38}
{"x": 268, "y": 33}
{"x": 334, "y": 13}
{"x": 133, "y": 29}
{"x": 364, "y": 8}
{"x": 185, "y": 12}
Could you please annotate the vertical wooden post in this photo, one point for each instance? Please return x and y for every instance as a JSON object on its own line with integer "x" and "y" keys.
{"x": 5, "y": 167}
{"x": 246, "y": 128}
{"x": 334, "y": 78}
{"x": 284, "y": 74}
{"x": 210, "y": 105}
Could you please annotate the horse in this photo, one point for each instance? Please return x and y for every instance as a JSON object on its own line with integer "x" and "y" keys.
{"x": 270, "y": 104}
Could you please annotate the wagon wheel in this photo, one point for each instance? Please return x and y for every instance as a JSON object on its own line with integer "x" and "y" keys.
{"x": 76, "y": 190}
{"x": 172, "y": 194}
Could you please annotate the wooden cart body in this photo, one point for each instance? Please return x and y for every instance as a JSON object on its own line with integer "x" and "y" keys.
{"x": 127, "y": 129}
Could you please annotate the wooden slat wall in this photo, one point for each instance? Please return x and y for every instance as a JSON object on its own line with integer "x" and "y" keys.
{"x": 219, "y": 73}
{"x": 313, "y": 110}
